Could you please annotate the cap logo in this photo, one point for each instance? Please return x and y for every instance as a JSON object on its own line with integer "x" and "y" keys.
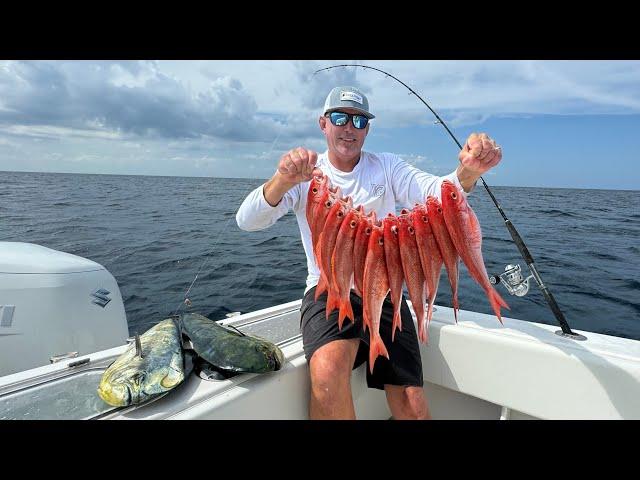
{"x": 352, "y": 96}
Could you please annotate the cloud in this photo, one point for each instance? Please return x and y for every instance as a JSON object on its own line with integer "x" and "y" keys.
{"x": 131, "y": 98}
{"x": 259, "y": 101}
{"x": 235, "y": 118}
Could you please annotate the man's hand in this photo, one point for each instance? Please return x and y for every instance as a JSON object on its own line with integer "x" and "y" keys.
{"x": 295, "y": 166}
{"x": 479, "y": 154}
{"x": 298, "y": 165}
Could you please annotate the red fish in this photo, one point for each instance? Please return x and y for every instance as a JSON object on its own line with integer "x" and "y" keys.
{"x": 447, "y": 247}
{"x": 360, "y": 248}
{"x": 430, "y": 258}
{"x": 376, "y": 288}
{"x": 342, "y": 263}
{"x": 326, "y": 246}
{"x": 317, "y": 186}
{"x": 394, "y": 268}
{"x": 412, "y": 268}
{"x": 320, "y": 212}
{"x": 464, "y": 228}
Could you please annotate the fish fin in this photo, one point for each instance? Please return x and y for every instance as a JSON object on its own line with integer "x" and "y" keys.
{"x": 138, "y": 346}
{"x": 396, "y": 324}
{"x": 423, "y": 334}
{"x": 456, "y": 307}
{"x": 316, "y": 252}
{"x": 333, "y": 302}
{"x": 454, "y": 291}
{"x": 320, "y": 288}
{"x": 496, "y": 302}
{"x": 172, "y": 379}
{"x": 365, "y": 317}
{"x": 377, "y": 348}
{"x": 241, "y": 333}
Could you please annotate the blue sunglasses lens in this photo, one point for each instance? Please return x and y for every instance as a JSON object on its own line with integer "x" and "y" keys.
{"x": 360, "y": 121}
{"x": 340, "y": 119}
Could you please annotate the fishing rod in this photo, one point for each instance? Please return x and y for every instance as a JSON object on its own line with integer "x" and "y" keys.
{"x": 513, "y": 277}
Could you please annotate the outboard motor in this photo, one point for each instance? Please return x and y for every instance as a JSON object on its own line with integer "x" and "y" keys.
{"x": 54, "y": 305}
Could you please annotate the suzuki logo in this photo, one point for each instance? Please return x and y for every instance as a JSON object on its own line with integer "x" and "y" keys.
{"x": 101, "y": 297}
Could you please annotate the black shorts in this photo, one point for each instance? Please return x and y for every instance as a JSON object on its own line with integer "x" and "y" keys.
{"x": 404, "y": 366}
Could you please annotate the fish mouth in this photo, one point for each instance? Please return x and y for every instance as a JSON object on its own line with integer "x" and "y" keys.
{"x": 115, "y": 395}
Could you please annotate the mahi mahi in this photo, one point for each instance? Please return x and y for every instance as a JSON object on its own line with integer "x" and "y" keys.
{"x": 138, "y": 376}
{"x": 229, "y": 350}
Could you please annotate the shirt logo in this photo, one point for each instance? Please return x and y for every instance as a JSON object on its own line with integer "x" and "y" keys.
{"x": 377, "y": 190}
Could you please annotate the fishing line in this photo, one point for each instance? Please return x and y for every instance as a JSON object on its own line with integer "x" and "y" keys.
{"x": 524, "y": 251}
{"x": 186, "y": 301}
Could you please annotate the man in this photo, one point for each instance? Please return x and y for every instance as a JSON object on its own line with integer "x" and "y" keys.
{"x": 378, "y": 182}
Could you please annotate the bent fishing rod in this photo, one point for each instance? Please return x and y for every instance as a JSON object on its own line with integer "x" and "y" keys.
{"x": 511, "y": 278}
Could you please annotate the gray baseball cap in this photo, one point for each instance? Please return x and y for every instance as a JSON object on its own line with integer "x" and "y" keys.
{"x": 347, "y": 97}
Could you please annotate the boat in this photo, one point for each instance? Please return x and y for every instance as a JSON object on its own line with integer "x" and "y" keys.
{"x": 62, "y": 323}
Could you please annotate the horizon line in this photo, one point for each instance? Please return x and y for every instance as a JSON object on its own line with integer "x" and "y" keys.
{"x": 265, "y": 179}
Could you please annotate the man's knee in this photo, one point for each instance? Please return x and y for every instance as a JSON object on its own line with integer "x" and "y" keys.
{"x": 330, "y": 365}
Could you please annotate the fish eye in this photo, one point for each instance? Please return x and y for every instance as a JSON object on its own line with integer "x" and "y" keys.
{"x": 340, "y": 214}
{"x": 425, "y": 219}
{"x": 439, "y": 210}
{"x": 353, "y": 224}
{"x": 314, "y": 190}
{"x": 411, "y": 230}
{"x": 380, "y": 241}
{"x": 368, "y": 231}
{"x": 394, "y": 230}
{"x": 454, "y": 195}
{"x": 328, "y": 203}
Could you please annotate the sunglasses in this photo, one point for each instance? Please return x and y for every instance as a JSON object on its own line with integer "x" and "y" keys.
{"x": 340, "y": 119}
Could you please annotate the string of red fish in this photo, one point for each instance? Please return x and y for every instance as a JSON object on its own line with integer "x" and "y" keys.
{"x": 379, "y": 256}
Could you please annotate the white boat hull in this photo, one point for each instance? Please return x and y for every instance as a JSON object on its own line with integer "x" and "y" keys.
{"x": 476, "y": 369}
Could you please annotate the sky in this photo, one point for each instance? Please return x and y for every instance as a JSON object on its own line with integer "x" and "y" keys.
{"x": 561, "y": 123}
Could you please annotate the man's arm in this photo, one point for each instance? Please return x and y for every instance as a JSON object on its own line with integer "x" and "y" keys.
{"x": 265, "y": 205}
{"x": 275, "y": 189}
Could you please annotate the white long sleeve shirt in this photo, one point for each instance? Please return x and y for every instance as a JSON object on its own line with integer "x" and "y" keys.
{"x": 379, "y": 182}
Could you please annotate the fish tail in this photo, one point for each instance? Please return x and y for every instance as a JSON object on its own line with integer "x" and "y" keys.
{"x": 496, "y": 302}
{"x": 377, "y": 348}
{"x": 346, "y": 311}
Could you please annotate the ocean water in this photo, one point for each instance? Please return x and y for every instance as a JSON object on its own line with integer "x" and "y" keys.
{"x": 154, "y": 234}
